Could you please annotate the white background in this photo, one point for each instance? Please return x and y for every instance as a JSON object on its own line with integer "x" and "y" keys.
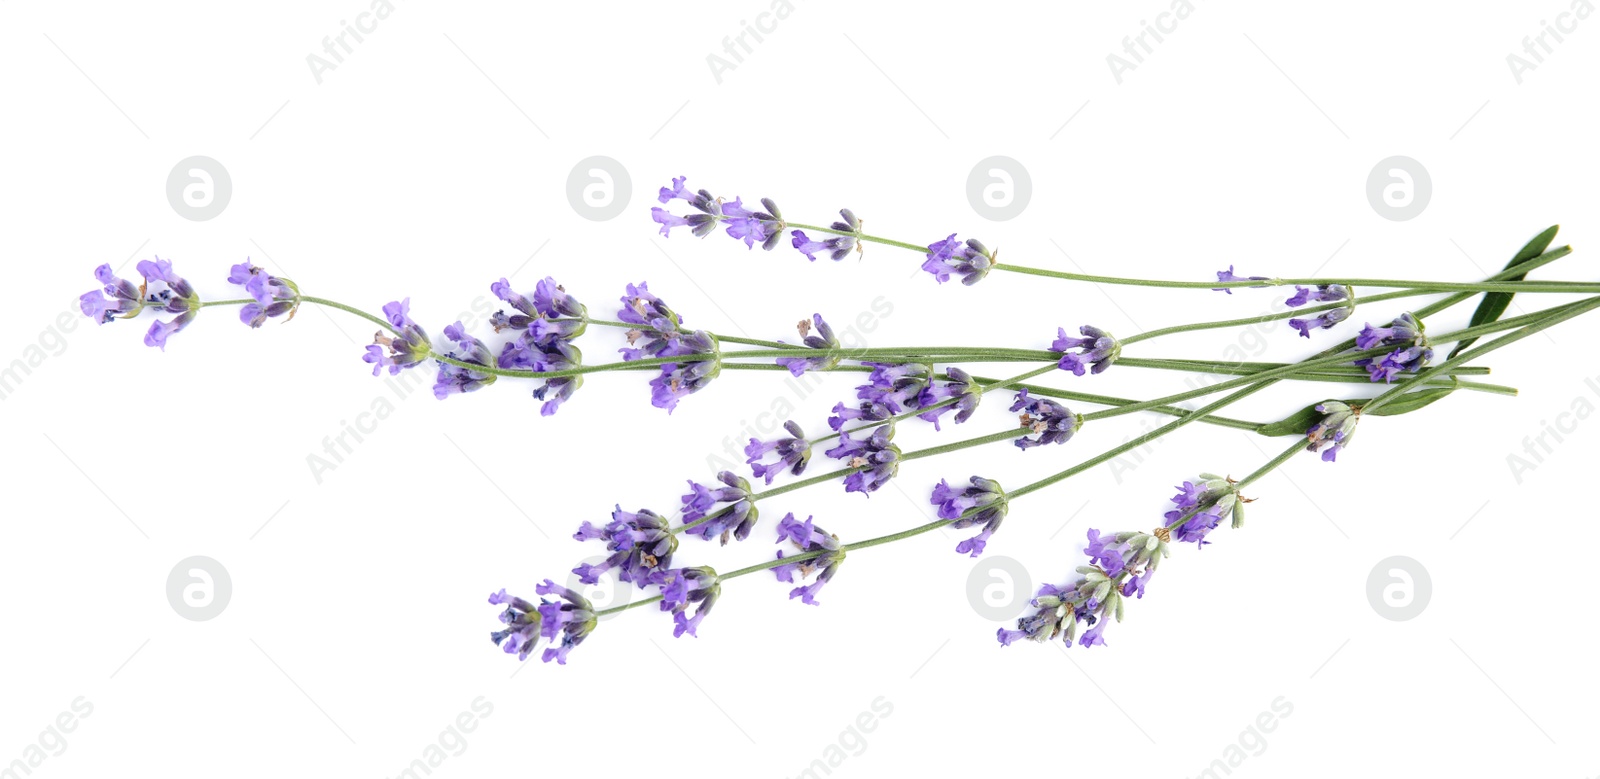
{"x": 434, "y": 160}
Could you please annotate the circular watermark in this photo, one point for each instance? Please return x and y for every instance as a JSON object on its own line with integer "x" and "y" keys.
{"x": 199, "y": 588}
{"x": 999, "y": 588}
{"x": 1399, "y": 588}
{"x": 1399, "y": 188}
{"x": 999, "y": 188}
{"x": 599, "y": 188}
{"x": 199, "y": 188}
{"x": 608, "y": 592}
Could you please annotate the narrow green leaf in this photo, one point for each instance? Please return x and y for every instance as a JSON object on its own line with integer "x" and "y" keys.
{"x": 1494, "y": 304}
{"x": 1301, "y": 421}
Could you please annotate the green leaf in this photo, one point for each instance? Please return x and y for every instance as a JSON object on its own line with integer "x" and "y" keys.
{"x": 1295, "y": 424}
{"x": 1494, "y": 304}
{"x": 1410, "y": 401}
{"x": 1301, "y": 421}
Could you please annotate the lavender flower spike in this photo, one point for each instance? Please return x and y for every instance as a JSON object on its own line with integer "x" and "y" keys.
{"x": 1411, "y": 350}
{"x": 408, "y": 347}
{"x": 824, "y": 339}
{"x": 273, "y": 296}
{"x": 966, "y": 392}
{"x": 875, "y": 457}
{"x": 116, "y": 299}
{"x": 971, "y": 260}
{"x": 1334, "y": 431}
{"x": 168, "y": 291}
{"x": 679, "y": 380}
{"x": 454, "y": 379}
{"x": 837, "y": 247}
{"x": 1121, "y": 565}
{"x": 793, "y": 453}
{"x": 1097, "y": 350}
{"x": 1200, "y": 506}
{"x": 1326, "y": 293}
{"x": 571, "y": 618}
{"x": 825, "y": 551}
{"x": 1226, "y": 276}
{"x": 984, "y": 503}
{"x": 639, "y": 542}
{"x": 681, "y": 587}
{"x": 701, "y": 224}
{"x": 753, "y": 227}
{"x": 735, "y": 519}
{"x": 1053, "y": 422}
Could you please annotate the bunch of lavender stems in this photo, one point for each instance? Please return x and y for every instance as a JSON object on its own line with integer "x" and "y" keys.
{"x": 905, "y": 384}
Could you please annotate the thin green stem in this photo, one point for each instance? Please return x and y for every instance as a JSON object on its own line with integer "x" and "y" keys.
{"x": 1573, "y": 287}
{"x": 1285, "y": 456}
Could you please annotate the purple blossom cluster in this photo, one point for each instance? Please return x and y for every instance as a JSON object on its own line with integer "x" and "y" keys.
{"x": 874, "y": 456}
{"x": 162, "y": 290}
{"x": 544, "y": 326}
{"x": 639, "y": 544}
{"x": 823, "y": 340}
{"x": 1200, "y": 506}
{"x": 819, "y": 551}
{"x": 727, "y": 511}
{"x": 1334, "y": 430}
{"x": 1051, "y": 422}
{"x": 1325, "y": 293}
{"x": 1120, "y": 566}
{"x": 407, "y": 347}
{"x": 1096, "y": 350}
{"x": 765, "y": 227}
{"x": 272, "y": 296}
{"x": 981, "y": 505}
{"x": 570, "y": 618}
{"x": 846, "y": 238}
{"x": 660, "y": 334}
{"x": 794, "y": 453}
{"x": 682, "y": 587}
{"x": 1406, "y": 336}
{"x": 970, "y": 260}
{"x": 455, "y": 379}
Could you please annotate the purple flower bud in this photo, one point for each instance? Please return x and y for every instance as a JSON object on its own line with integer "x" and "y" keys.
{"x": 983, "y": 504}
{"x": 875, "y": 457}
{"x": 1226, "y": 276}
{"x": 970, "y": 260}
{"x": 735, "y": 518}
{"x": 1411, "y": 350}
{"x": 793, "y": 453}
{"x": 820, "y": 549}
{"x": 823, "y": 339}
{"x": 1052, "y": 422}
{"x": 1097, "y": 350}
{"x": 639, "y": 542}
{"x": 1334, "y": 431}
{"x": 571, "y": 618}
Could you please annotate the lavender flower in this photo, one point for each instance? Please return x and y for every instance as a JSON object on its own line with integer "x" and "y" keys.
{"x": 1053, "y": 422}
{"x": 825, "y": 554}
{"x": 1226, "y": 276}
{"x": 679, "y": 380}
{"x": 753, "y": 227}
{"x": 865, "y": 411}
{"x": 824, "y": 339}
{"x": 1097, "y": 350}
{"x": 971, "y": 260}
{"x": 572, "y": 618}
{"x": 898, "y": 388}
{"x": 701, "y": 224}
{"x": 273, "y": 296}
{"x": 984, "y": 503}
{"x": 875, "y": 457}
{"x": 639, "y": 542}
{"x": 793, "y": 453}
{"x": 1200, "y": 506}
{"x": 1121, "y": 566}
{"x": 114, "y": 299}
{"x": 1322, "y": 321}
{"x": 550, "y": 302}
{"x": 659, "y": 325}
{"x": 557, "y": 354}
{"x": 1411, "y": 351}
{"x": 736, "y": 518}
{"x": 408, "y": 347}
{"x": 1334, "y": 431}
{"x": 168, "y": 291}
{"x": 961, "y": 388}
{"x": 681, "y": 587}
{"x": 454, "y": 379}
{"x": 1325, "y": 293}
{"x": 838, "y": 247}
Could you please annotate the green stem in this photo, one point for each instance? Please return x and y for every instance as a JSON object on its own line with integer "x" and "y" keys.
{"x": 1285, "y": 456}
{"x": 1576, "y": 287}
